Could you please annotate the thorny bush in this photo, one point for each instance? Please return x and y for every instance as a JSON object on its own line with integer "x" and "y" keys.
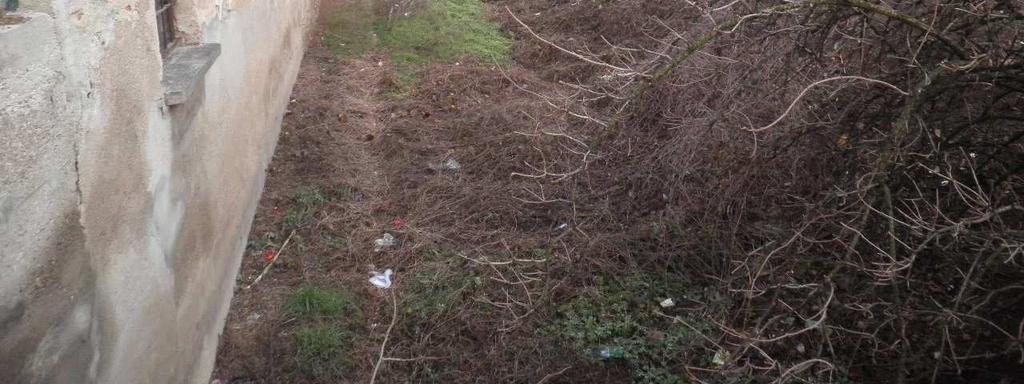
{"x": 847, "y": 172}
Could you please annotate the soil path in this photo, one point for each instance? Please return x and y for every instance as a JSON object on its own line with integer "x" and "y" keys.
{"x": 326, "y": 142}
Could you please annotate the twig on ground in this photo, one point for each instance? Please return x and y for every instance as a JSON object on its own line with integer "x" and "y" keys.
{"x": 800, "y": 368}
{"x": 410, "y": 359}
{"x": 271, "y": 264}
{"x": 553, "y": 375}
{"x": 384, "y": 344}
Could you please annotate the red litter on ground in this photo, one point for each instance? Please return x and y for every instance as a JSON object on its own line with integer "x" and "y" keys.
{"x": 269, "y": 255}
{"x": 399, "y": 224}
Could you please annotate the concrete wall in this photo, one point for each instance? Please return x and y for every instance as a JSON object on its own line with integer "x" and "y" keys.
{"x": 122, "y": 220}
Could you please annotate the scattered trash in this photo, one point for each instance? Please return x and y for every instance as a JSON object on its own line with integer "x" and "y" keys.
{"x": 252, "y": 318}
{"x": 398, "y": 223}
{"x": 606, "y": 77}
{"x": 382, "y": 280}
{"x": 270, "y": 255}
{"x": 721, "y": 357}
{"x": 562, "y": 227}
{"x": 944, "y": 183}
{"x": 606, "y": 353}
{"x": 667, "y": 303}
{"x": 843, "y": 142}
{"x": 387, "y": 240}
{"x": 448, "y": 165}
{"x": 451, "y": 165}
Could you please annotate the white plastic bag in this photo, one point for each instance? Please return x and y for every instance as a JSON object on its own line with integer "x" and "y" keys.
{"x": 382, "y": 280}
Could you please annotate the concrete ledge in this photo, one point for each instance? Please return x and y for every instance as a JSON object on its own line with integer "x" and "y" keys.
{"x": 184, "y": 70}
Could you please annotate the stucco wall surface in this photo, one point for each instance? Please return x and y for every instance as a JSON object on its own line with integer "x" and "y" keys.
{"x": 124, "y": 220}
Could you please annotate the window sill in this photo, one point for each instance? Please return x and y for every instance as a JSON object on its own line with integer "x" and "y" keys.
{"x": 184, "y": 70}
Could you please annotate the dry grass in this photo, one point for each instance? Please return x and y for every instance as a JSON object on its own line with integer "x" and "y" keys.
{"x": 865, "y": 236}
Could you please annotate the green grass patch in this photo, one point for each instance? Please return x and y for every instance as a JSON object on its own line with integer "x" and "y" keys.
{"x": 310, "y": 197}
{"x": 349, "y": 31}
{"x": 441, "y": 287}
{"x": 323, "y": 352}
{"x": 437, "y": 31}
{"x": 620, "y": 315}
{"x": 311, "y": 302}
{"x": 445, "y": 30}
{"x": 269, "y": 240}
{"x": 306, "y": 203}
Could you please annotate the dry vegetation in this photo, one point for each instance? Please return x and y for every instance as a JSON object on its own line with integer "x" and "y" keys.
{"x": 829, "y": 190}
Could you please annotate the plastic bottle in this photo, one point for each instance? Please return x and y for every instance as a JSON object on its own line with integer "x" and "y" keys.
{"x": 605, "y": 353}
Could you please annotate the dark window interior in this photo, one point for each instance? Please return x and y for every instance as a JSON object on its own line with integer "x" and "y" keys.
{"x": 165, "y": 24}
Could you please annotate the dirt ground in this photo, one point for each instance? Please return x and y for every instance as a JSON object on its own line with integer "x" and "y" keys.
{"x": 377, "y": 156}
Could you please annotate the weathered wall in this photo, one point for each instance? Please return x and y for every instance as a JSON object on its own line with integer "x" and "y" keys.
{"x": 124, "y": 220}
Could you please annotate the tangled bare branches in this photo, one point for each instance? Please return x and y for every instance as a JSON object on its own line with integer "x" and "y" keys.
{"x": 871, "y": 229}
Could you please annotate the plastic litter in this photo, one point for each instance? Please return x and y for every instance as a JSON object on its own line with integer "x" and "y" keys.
{"x": 562, "y": 227}
{"x": 385, "y": 241}
{"x": 447, "y": 165}
{"x": 667, "y": 303}
{"x": 382, "y": 280}
{"x": 252, "y": 318}
{"x": 606, "y": 353}
{"x": 451, "y": 165}
{"x": 270, "y": 255}
{"x": 721, "y": 357}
